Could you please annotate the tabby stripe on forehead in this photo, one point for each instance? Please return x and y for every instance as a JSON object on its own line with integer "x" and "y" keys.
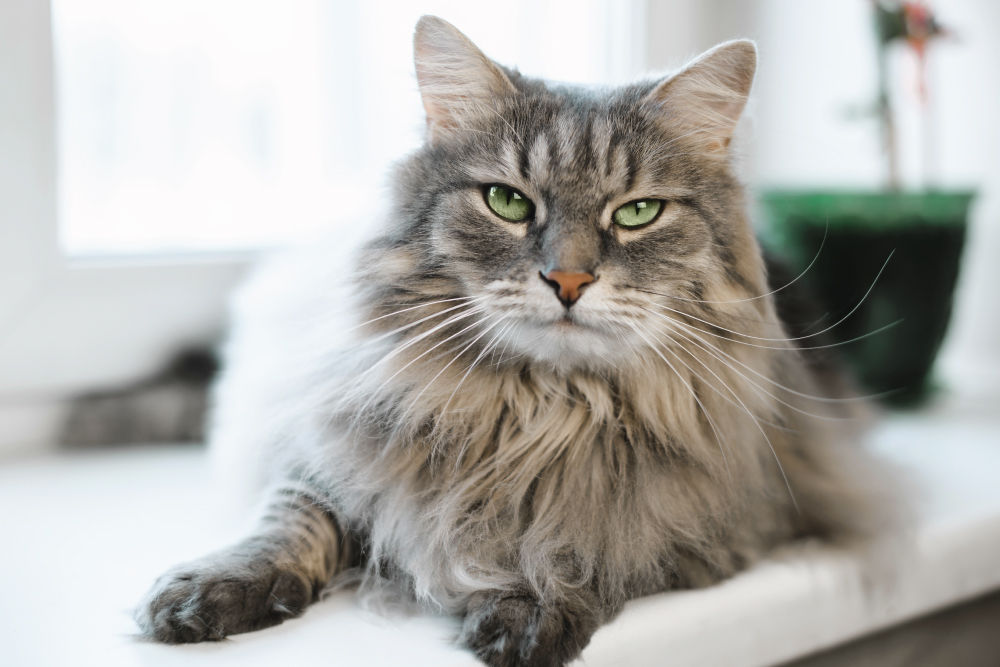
{"x": 609, "y": 156}
{"x": 524, "y": 155}
{"x": 632, "y": 169}
{"x": 586, "y": 157}
{"x": 552, "y": 143}
{"x": 616, "y": 145}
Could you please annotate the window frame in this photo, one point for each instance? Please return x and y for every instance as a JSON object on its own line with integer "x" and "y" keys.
{"x": 71, "y": 325}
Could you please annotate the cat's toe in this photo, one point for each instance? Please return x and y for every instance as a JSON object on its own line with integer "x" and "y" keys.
{"x": 505, "y": 630}
{"x": 194, "y": 604}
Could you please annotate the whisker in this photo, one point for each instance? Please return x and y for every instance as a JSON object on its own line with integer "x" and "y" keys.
{"x": 377, "y": 392}
{"x": 453, "y": 360}
{"x": 786, "y": 340}
{"x": 794, "y": 280}
{"x": 492, "y": 342}
{"x": 395, "y": 351}
{"x": 406, "y": 327}
{"x": 760, "y": 428}
{"x": 506, "y": 345}
{"x": 694, "y": 394}
{"x": 784, "y": 348}
{"x": 375, "y": 339}
{"x": 497, "y": 359}
{"x": 754, "y": 384}
{"x": 823, "y": 399}
{"x": 321, "y": 316}
{"x": 717, "y": 377}
{"x": 415, "y": 307}
{"x": 405, "y": 345}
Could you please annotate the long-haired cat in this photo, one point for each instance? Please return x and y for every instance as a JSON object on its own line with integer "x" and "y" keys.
{"x": 554, "y": 381}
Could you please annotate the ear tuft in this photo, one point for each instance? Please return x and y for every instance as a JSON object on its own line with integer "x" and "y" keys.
{"x": 705, "y": 99}
{"x": 458, "y": 83}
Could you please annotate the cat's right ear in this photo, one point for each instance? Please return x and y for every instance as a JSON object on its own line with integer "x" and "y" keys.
{"x": 705, "y": 99}
{"x": 458, "y": 83}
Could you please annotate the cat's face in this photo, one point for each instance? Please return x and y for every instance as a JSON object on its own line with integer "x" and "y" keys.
{"x": 561, "y": 210}
{"x": 576, "y": 161}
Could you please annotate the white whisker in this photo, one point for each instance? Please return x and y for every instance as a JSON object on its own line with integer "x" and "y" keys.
{"x": 742, "y": 375}
{"x": 822, "y": 399}
{"x": 694, "y": 394}
{"x": 456, "y": 358}
{"x": 756, "y": 422}
{"x": 794, "y": 280}
{"x": 789, "y": 340}
{"x": 415, "y": 307}
{"x": 377, "y": 392}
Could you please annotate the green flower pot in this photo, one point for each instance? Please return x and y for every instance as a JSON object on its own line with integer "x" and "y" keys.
{"x": 924, "y": 232}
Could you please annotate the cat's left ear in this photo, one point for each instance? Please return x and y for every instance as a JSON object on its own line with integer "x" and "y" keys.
{"x": 458, "y": 83}
{"x": 705, "y": 99}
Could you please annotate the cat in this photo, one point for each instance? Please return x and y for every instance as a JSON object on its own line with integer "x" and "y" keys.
{"x": 554, "y": 380}
{"x": 167, "y": 406}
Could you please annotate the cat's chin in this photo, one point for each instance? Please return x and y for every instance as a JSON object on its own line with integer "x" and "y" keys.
{"x": 569, "y": 344}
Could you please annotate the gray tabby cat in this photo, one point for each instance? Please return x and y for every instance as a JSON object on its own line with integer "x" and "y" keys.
{"x": 557, "y": 380}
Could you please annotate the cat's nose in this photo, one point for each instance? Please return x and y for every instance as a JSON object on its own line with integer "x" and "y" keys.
{"x": 567, "y": 284}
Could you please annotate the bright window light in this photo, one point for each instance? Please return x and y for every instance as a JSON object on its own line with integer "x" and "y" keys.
{"x": 191, "y": 126}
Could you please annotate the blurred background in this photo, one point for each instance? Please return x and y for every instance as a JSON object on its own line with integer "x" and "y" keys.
{"x": 151, "y": 151}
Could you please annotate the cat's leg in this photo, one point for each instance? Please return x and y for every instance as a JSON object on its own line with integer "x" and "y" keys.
{"x": 516, "y": 629}
{"x": 272, "y": 575}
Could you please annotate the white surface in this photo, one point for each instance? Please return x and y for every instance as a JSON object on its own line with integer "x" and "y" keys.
{"x": 85, "y": 535}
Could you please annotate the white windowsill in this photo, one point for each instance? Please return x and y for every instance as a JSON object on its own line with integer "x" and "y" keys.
{"x": 88, "y": 533}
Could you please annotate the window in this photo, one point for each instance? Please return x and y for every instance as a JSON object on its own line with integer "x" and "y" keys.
{"x": 190, "y": 126}
{"x": 146, "y": 146}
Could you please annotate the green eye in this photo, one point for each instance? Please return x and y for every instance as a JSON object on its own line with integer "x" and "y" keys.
{"x": 638, "y": 213}
{"x": 508, "y": 203}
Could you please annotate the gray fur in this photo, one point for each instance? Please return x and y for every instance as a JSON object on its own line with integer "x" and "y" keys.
{"x": 525, "y": 464}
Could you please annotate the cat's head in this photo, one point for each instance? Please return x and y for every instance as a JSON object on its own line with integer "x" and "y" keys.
{"x": 562, "y": 210}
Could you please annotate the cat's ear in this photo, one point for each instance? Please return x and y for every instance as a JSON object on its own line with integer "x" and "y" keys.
{"x": 705, "y": 99}
{"x": 458, "y": 83}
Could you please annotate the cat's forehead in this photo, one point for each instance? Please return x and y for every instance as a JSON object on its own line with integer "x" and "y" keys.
{"x": 573, "y": 147}
{"x": 571, "y": 140}
{"x": 580, "y": 96}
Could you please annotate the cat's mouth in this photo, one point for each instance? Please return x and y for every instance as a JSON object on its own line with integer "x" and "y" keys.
{"x": 574, "y": 330}
{"x": 569, "y": 321}
{"x": 569, "y": 340}
{"x": 565, "y": 323}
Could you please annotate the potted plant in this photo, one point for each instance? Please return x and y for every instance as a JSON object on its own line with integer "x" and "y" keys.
{"x": 909, "y": 239}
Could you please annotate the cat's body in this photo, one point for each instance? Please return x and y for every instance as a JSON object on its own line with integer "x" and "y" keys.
{"x": 529, "y": 422}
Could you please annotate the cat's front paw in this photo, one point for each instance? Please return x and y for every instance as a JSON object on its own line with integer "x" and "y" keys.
{"x": 510, "y": 630}
{"x": 219, "y": 596}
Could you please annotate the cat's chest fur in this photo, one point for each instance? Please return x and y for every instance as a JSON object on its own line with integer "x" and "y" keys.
{"x": 528, "y": 470}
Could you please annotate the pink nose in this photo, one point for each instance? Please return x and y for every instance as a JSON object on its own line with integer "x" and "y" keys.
{"x": 568, "y": 284}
